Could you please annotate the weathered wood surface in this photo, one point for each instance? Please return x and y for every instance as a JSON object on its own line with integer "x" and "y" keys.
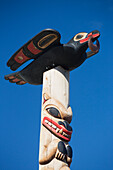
{"x": 55, "y": 152}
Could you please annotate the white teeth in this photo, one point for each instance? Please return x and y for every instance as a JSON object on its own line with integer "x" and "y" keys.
{"x": 57, "y": 130}
{"x": 66, "y": 135}
{"x": 54, "y": 126}
{"x": 50, "y": 124}
{"x": 61, "y": 131}
{"x": 46, "y": 121}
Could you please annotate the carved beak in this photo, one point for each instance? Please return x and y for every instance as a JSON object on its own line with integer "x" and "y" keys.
{"x": 93, "y": 36}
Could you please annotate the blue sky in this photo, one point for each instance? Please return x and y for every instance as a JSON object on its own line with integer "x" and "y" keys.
{"x": 91, "y": 85}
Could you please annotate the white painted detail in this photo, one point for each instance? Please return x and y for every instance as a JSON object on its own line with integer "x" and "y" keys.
{"x": 61, "y": 131}
{"x": 46, "y": 121}
{"x": 49, "y": 123}
{"x": 54, "y": 126}
{"x": 57, "y": 130}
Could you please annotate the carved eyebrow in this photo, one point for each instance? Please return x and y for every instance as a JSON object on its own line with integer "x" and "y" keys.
{"x": 53, "y": 112}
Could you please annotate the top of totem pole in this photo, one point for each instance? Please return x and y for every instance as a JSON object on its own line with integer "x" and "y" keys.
{"x": 47, "y": 51}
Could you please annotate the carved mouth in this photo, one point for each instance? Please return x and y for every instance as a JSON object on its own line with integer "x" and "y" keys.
{"x": 59, "y": 130}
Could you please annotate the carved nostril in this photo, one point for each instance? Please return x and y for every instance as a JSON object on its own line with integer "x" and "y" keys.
{"x": 68, "y": 127}
{"x": 61, "y": 123}
{"x": 65, "y": 124}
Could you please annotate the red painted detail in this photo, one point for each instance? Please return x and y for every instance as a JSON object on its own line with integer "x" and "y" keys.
{"x": 95, "y": 35}
{"x": 22, "y": 82}
{"x": 31, "y": 47}
{"x": 89, "y": 35}
{"x": 16, "y": 80}
{"x": 58, "y": 126}
{"x": 11, "y": 77}
{"x": 84, "y": 40}
{"x": 44, "y": 101}
{"x": 23, "y": 57}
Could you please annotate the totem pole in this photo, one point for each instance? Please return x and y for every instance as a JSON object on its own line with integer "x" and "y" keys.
{"x": 51, "y": 66}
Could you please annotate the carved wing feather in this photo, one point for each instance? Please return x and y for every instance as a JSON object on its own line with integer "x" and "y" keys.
{"x": 34, "y": 48}
{"x": 15, "y": 78}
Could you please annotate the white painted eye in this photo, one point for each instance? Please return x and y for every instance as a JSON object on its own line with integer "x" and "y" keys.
{"x": 80, "y": 36}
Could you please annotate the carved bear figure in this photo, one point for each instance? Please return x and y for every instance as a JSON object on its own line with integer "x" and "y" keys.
{"x": 55, "y": 135}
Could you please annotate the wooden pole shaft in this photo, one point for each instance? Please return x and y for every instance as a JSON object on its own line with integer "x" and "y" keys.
{"x": 55, "y": 152}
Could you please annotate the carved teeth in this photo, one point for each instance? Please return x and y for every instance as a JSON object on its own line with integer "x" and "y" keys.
{"x": 46, "y": 121}
{"x": 61, "y": 131}
{"x": 50, "y": 124}
{"x": 54, "y": 126}
{"x": 57, "y": 130}
{"x": 66, "y": 135}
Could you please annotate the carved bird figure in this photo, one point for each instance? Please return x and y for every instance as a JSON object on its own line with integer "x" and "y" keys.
{"x": 47, "y": 51}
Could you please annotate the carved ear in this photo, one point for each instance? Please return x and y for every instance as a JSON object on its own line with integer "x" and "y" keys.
{"x": 69, "y": 110}
{"x": 45, "y": 97}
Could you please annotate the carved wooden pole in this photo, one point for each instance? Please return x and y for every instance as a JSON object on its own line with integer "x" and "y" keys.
{"x": 55, "y": 152}
{"x": 49, "y": 54}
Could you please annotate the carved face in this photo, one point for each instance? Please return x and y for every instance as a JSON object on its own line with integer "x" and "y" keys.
{"x": 56, "y": 118}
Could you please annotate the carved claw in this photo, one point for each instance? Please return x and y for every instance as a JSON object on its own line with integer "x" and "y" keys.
{"x": 64, "y": 153}
{"x": 60, "y": 155}
{"x": 61, "y": 151}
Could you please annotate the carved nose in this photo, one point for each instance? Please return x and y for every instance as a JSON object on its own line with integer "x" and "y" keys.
{"x": 65, "y": 124}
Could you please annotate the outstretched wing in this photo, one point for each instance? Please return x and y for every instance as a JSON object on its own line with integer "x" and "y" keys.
{"x": 15, "y": 78}
{"x": 34, "y": 48}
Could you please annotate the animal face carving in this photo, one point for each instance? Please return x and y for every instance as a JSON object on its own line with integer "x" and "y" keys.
{"x": 56, "y": 118}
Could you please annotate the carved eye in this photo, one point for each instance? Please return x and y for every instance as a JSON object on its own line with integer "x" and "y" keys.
{"x": 80, "y": 36}
{"x": 53, "y": 112}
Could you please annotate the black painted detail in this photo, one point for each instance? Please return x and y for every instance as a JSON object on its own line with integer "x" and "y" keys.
{"x": 62, "y": 148}
{"x": 51, "y": 54}
{"x": 69, "y": 151}
{"x": 28, "y": 53}
{"x": 54, "y": 112}
{"x": 46, "y": 40}
{"x": 79, "y": 36}
{"x": 65, "y": 124}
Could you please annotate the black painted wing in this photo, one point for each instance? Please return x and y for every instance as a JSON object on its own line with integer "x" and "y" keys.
{"x": 15, "y": 78}
{"x": 34, "y": 48}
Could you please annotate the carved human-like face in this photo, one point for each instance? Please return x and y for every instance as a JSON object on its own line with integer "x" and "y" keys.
{"x": 56, "y": 118}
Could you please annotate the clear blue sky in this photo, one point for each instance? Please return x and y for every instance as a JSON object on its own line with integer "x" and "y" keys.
{"x": 91, "y": 85}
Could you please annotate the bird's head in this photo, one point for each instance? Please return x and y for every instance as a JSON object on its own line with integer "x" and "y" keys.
{"x": 82, "y": 41}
